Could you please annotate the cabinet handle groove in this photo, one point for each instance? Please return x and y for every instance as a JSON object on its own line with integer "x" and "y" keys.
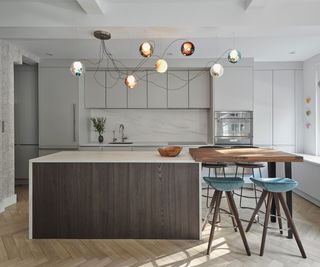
{"x": 74, "y": 122}
{"x": 2, "y": 127}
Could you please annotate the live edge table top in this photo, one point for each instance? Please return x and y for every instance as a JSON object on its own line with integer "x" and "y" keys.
{"x": 214, "y": 155}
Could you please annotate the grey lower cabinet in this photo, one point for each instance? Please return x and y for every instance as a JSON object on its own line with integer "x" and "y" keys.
{"x": 95, "y": 89}
{"x": 157, "y": 90}
{"x": 58, "y": 100}
{"x": 116, "y": 90}
{"x": 199, "y": 89}
{"x": 137, "y": 96}
{"x": 178, "y": 91}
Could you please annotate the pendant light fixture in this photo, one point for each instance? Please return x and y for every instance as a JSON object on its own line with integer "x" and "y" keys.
{"x": 187, "y": 48}
{"x": 216, "y": 70}
{"x": 161, "y": 65}
{"x": 130, "y": 81}
{"x": 234, "y": 56}
{"x": 77, "y": 68}
{"x": 146, "y": 49}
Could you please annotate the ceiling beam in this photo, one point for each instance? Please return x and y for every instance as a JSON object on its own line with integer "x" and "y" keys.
{"x": 254, "y": 4}
{"x": 93, "y": 7}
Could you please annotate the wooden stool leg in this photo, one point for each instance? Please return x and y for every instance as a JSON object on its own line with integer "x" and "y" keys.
{"x": 278, "y": 212}
{"x": 292, "y": 225}
{"x": 215, "y": 216}
{"x": 234, "y": 223}
{"x": 206, "y": 218}
{"x": 236, "y": 216}
{"x": 255, "y": 212}
{"x": 266, "y": 220}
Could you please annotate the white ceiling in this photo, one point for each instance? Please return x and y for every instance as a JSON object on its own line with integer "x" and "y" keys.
{"x": 267, "y": 30}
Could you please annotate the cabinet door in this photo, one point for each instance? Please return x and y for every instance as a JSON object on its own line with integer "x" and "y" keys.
{"x": 116, "y": 90}
{"x": 199, "y": 89}
{"x": 157, "y": 89}
{"x": 94, "y": 89}
{"x": 283, "y": 107}
{"x": 26, "y": 105}
{"x": 178, "y": 89}
{"x": 262, "y": 115}
{"x": 234, "y": 90}
{"x": 58, "y": 96}
{"x": 137, "y": 97}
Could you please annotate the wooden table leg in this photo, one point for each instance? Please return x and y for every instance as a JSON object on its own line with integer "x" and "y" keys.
{"x": 272, "y": 174}
{"x": 288, "y": 174}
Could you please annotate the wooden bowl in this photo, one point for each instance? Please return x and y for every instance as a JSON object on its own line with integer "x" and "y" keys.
{"x": 170, "y": 151}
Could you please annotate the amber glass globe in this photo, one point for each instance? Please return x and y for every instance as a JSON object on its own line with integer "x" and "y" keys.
{"x": 161, "y": 65}
{"x": 187, "y": 49}
{"x": 130, "y": 81}
{"x": 146, "y": 49}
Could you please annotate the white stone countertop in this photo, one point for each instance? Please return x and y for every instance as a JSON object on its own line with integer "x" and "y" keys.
{"x": 143, "y": 144}
{"x": 113, "y": 157}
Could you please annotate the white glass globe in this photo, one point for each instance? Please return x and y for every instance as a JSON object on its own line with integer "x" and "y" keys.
{"x": 161, "y": 66}
{"x": 234, "y": 56}
{"x": 216, "y": 70}
{"x": 130, "y": 81}
{"x": 77, "y": 68}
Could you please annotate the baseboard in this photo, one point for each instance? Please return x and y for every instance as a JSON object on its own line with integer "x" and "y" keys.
{"x": 308, "y": 197}
{"x": 8, "y": 202}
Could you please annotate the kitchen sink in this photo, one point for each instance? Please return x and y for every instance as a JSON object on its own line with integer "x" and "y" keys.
{"x": 121, "y": 143}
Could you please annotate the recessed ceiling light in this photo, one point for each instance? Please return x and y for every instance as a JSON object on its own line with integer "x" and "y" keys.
{"x": 292, "y": 52}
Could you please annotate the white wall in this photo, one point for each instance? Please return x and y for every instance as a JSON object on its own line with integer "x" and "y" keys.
{"x": 311, "y": 76}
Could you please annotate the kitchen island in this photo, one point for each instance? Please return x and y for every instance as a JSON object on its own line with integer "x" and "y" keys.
{"x": 118, "y": 194}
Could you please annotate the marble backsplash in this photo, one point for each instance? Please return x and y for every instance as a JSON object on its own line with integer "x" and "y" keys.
{"x": 142, "y": 125}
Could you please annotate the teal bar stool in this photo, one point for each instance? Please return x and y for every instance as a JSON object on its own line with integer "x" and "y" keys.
{"x": 227, "y": 185}
{"x": 272, "y": 190}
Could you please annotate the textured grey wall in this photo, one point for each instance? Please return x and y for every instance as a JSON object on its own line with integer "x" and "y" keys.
{"x": 10, "y": 54}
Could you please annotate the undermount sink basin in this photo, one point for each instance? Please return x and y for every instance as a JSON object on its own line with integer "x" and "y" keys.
{"x": 120, "y": 143}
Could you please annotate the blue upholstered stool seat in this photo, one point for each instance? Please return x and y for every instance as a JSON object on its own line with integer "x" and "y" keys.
{"x": 224, "y": 184}
{"x": 276, "y": 185}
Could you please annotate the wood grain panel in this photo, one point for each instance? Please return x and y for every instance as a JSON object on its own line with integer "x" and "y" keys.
{"x": 116, "y": 200}
{"x": 214, "y": 155}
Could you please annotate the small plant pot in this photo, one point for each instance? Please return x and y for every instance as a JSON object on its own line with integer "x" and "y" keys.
{"x": 100, "y": 139}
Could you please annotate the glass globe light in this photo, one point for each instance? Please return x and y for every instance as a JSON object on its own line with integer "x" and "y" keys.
{"x": 161, "y": 65}
{"x": 216, "y": 70}
{"x": 187, "y": 49}
{"x": 77, "y": 68}
{"x": 146, "y": 49}
{"x": 130, "y": 81}
{"x": 234, "y": 56}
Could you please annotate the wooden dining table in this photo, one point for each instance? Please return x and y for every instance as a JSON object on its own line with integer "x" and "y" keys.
{"x": 252, "y": 155}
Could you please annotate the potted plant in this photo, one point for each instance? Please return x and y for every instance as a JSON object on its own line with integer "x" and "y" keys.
{"x": 99, "y": 125}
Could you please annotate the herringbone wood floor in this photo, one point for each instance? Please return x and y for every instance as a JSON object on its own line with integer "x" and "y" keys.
{"x": 17, "y": 250}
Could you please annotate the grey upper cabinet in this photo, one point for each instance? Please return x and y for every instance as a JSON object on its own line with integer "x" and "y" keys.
{"x": 58, "y": 99}
{"x": 137, "y": 97}
{"x": 284, "y": 107}
{"x": 157, "y": 89}
{"x": 178, "y": 89}
{"x": 234, "y": 90}
{"x": 199, "y": 89}
{"x": 116, "y": 90}
{"x": 94, "y": 89}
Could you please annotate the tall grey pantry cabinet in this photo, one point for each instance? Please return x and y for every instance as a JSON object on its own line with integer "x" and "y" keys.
{"x": 58, "y": 109}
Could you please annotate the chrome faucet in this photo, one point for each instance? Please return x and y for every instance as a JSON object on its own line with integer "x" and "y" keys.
{"x": 121, "y": 131}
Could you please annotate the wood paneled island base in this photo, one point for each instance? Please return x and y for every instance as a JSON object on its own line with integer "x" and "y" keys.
{"x": 132, "y": 200}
